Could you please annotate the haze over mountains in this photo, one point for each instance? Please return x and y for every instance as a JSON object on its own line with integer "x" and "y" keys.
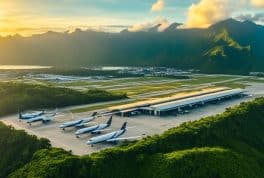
{"x": 229, "y": 46}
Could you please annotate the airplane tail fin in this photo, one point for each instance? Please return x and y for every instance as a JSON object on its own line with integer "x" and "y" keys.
{"x": 20, "y": 115}
{"x": 109, "y": 122}
{"x": 72, "y": 116}
{"x": 124, "y": 126}
{"x": 94, "y": 114}
{"x": 55, "y": 112}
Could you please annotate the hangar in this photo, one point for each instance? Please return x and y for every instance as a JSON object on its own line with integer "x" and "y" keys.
{"x": 160, "y": 109}
{"x": 149, "y": 102}
{"x": 180, "y": 104}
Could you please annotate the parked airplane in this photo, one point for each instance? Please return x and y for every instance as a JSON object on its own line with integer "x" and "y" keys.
{"x": 112, "y": 137}
{"x": 94, "y": 129}
{"x": 25, "y": 116}
{"x": 43, "y": 118}
{"x": 78, "y": 123}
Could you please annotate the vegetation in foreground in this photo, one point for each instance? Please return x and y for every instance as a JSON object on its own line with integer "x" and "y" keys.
{"x": 21, "y": 96}
{"x": 226, "y": 145}
{"x": 17, "y": 148}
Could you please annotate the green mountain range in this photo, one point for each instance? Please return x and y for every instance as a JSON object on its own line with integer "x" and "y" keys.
{"x": 228, "y": 46}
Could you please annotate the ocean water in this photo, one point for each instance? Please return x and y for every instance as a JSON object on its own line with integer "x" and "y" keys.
{"x": 114, "y": 68}
{"x": 22, "y": 67}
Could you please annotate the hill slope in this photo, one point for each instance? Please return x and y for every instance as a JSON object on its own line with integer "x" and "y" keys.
{"x": 226, "y": 145}
{"x": 223, "y": 43}
{"x": 224, "y": 51}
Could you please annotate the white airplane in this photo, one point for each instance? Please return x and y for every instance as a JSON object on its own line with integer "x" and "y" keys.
{"x": 78, "y": 123}
{"x": 25, "y": 116}
{"x": 112, "y": 137}
{"x": 43, "y": 118}
{"x": 94, "y": 129}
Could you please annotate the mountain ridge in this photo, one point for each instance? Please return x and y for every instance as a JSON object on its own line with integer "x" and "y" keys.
{"x": 174, "y": 47}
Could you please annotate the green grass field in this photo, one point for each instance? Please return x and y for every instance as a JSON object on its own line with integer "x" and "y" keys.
{"x": 140, "y": 85}
{"x": 173, "y": 85}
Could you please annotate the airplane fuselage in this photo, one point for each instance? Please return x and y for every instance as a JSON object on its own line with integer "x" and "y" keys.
{"x": 105, "y": 137}
{"x": 31, "y": 116}
{"x": 77, "y": 123}
{"x": 71, "y": 124}
{"x": 36, "y": 119}
{"x": 91, "y": 129}
{"x": 43, "y": 119}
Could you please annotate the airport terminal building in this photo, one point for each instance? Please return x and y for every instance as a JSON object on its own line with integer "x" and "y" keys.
{"x": 178, "y": 103}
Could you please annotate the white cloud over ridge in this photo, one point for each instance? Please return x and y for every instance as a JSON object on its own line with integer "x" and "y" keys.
{"x": 258, "y": 3}
{"x": 207, "y": 12}
{"x": 145, "y": 26}
{"x": 158, "y": 6}
{"x": 257, "y": 17}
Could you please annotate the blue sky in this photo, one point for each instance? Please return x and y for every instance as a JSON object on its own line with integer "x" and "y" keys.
{"x": 35, "y": 16}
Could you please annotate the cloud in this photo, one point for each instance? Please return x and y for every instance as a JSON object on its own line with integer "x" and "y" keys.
{"x": 162, "y": 22}
{"x": 258, "y": 3}
{"x": 140, "y": 27}
{"x": 207, "y": 12}
{"x": 158, "y": 6}
{"x": 258, "y": 17}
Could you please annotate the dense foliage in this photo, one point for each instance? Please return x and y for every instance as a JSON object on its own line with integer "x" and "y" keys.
{"x": 226, "y": 145}
{"x": 21, "y": 96}
{"x": 17, "y": 148}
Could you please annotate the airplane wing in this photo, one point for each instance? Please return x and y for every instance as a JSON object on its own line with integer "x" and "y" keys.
{"x": 61, "y": 115}
{"x": 99, "y": 131}
{"x": 34, "y": 111}
{"x": 123, "y": 138}
{"x": 48, "y": 118}
{"x": 84, "y": 124}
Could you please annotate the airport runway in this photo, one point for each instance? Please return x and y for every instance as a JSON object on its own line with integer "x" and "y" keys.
{"x": 138, "y": 126}
{"x": 156, "y": 93}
